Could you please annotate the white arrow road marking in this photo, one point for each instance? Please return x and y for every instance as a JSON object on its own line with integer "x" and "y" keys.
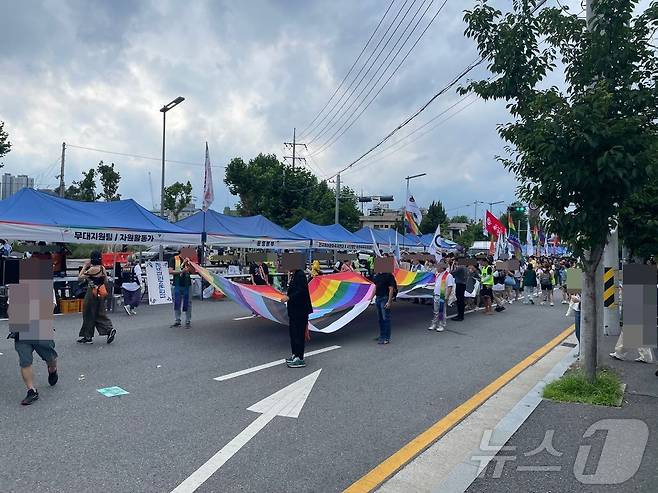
{"x": 270, "y": 365}
{"x": 286, "y": 402}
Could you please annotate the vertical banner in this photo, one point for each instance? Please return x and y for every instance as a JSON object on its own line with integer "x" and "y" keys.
{"x": 157, "y": 278}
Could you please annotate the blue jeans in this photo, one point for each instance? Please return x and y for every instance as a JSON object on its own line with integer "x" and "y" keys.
{"x": 577, "y": 322}
{"x": 384, "y": 316}
{"x": 182, "y": 296}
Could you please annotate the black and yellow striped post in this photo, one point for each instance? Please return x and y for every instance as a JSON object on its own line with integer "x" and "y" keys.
{"x": 609, "y": 298}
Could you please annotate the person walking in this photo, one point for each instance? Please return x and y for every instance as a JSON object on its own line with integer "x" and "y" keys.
{"x": 45, "y": 348}
{"x": 299, "y": 306}
{"x": 131, "y": 285}
{"x": 546, "y": 282}
{"x": 94, "y": 315}
{"x": 443, "y": 288}
{"x": 529, "y": 284}
{"x": 460, "y": 276}
{"x": 385, "y": 287}
{"x": 180, "y": 268}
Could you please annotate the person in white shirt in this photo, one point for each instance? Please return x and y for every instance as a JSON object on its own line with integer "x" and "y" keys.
{"x": 443, "y": 289}
{"x": 131, "y": 285}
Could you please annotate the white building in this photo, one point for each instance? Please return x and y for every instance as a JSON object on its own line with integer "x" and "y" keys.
{"x": 12, "y": 184}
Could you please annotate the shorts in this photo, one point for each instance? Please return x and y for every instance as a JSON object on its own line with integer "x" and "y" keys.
{"x": 45, "y": 349}
{"x": 486, "y": 291}
{"x": 546, "y": 287}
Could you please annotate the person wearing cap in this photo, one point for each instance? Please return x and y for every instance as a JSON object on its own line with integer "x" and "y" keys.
{"x": 94, "y": 316}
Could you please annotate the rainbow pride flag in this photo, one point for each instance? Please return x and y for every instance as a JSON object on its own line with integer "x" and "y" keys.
{"x": 412, "y": 227}
{"x": 342, "y": 296}
{"x": 408, "y": 280}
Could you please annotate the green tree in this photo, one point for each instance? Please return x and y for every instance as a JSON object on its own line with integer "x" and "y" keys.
{"x": 85, "y": 189}
{"x": 459, "y": 219}
{"x": 5, "y": 145}
{"x": 638, "y": 221}
{"x": 285, "y": 195}
{"x": 578, "y": 154}
{"x": 177, "y": 197}
{"x": 436, "y": 215}
{"x": 109, "y": 178}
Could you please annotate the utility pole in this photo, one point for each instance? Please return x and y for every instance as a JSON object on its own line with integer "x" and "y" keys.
{"x": 61, "y": 171}
{"x": 337, "y": 211}
{"x": 611, "y": 285}
{"x": 293, "y": 145}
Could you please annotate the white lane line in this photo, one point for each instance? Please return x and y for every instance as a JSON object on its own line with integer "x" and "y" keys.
{"x": 246, "y": 318}
{"x": 270, "y": 365}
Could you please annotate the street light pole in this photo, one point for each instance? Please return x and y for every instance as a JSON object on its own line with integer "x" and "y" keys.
{"x": 164, "y": 110}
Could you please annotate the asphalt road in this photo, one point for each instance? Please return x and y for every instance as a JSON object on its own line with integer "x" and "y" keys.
{"x": 368, "y": 401}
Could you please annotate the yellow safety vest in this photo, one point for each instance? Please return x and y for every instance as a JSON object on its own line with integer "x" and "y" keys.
{"x": 487, "y": 276}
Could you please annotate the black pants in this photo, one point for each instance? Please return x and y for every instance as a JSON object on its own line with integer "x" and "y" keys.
{"x": 298, "y": 335}
{"x": 459, "y": 293}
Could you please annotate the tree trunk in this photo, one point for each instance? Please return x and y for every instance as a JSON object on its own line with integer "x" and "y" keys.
{"x": 589, "y": 307}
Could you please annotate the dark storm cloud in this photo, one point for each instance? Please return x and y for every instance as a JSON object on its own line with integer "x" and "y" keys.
{"x": 95, "y": 73}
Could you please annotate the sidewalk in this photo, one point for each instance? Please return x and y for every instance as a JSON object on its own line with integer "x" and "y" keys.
{"x": 611, "y": 458}
{"x": 518, "y": 441}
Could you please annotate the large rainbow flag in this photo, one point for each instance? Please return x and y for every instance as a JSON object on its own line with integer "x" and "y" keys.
{"x": 407, "y": 280}
{"x": 336, "y": 298}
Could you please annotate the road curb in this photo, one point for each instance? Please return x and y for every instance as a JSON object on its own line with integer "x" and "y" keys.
{"x": 387, "y": 469}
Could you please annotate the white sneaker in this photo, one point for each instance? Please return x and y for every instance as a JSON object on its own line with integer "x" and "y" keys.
{"x": 440, "y": 328}
{"x": 431, "y": 327}
{"x": 564, "y": 302}
{"x": 133, "y": 311}
{"x": 552, "y": 304}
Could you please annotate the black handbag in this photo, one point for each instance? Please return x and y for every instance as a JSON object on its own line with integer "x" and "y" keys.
{"x": 80, "y": 290}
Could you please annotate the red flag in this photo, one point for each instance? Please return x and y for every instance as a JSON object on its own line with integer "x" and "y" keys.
{"x": 494, "y": 226}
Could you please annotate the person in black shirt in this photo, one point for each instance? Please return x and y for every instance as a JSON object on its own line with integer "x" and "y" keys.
{"x": 460, "y": 274}
{"x": 385, "y": 287}
{"x": 259, "y": 273}
{"x": 299, "y": 308}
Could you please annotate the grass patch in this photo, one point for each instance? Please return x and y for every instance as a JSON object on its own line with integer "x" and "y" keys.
{"x": 573, "y": 386}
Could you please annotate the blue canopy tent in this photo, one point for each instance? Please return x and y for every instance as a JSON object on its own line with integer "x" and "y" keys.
{"x": 331, "y": 237}
{"x": 37, "y": 216}
{"x": 242, "y": 232}
{"x": 386, "y": 238}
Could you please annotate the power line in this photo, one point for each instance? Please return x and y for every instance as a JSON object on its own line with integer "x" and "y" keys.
{"x": 341, "y": 113}
{"x": 349, "y": 71}
{"x": 361, "y": 70}
{"x": 159, "y": 159}
{"x": 418, "y": 137}
{"x": 335, "y": 138}
{"x": 452, "y": 83}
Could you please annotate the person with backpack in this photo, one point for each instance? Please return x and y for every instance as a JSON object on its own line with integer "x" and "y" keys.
{"x": 94, "y": 315}
{"x": 131, "y": 285}
{"x": 546, "y": 282}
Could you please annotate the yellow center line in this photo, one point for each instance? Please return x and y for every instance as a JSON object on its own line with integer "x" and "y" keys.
{"x": 411, "y": 450}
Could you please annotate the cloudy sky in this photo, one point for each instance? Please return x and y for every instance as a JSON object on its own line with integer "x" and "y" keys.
{"x": 94, "y": 74}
